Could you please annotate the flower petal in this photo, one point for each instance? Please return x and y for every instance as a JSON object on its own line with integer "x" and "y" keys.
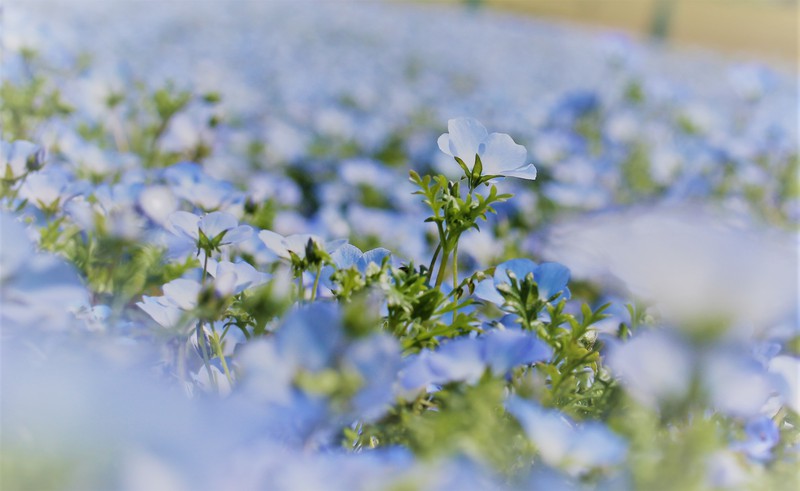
{"x": 552, "y": 278}
{"x": 275, "y": 243}
{"x": 184, "y": 223}
{"x": 217, "y": 222}
{"x": 501, "y": 154}
{"x": 520, "y": 267}
{"x": 525, "y": 172}
{"x": 466, "y": 136}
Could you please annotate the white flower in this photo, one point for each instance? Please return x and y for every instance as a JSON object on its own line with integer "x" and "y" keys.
{"x": 500, "y": 156}
{"x": 19, "y": 157}
{"x": 215, "y": 226}
{"x": 295, "y": 244}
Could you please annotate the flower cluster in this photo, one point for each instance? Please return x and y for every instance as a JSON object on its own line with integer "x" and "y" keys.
{"x": 222, "y": 274}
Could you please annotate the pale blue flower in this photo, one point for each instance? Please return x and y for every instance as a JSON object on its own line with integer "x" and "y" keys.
{"x": 466, "y": 359}
{"x": 577, "y": 448}
{"x": 761, "y": 436}
{"x": 551, "y": 279}
{"x": 18, "y": 158}
{"x": 217, "y": 225}
{"x": 284, "y": 247}
{"x": 188, "y": 181}
{"x": 654, "y": 367}
{"x": 500, "y": 156}
{"x": 232, "y": 278}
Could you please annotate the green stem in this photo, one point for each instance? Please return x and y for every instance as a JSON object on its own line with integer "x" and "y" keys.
{"x": 201, "y": 340}
{"x": 316, "y": 283}
{"x": 433, "y": 261}
{"x": 455, "y": 265}
{"x": 442, "y": 267}
{"x": 218, "y": 351}
{"x": 301, "y": 289}
{"x": 205, "y": 268}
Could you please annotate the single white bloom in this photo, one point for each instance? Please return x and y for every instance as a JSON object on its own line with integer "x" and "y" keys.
{"x": 500, "y": 156}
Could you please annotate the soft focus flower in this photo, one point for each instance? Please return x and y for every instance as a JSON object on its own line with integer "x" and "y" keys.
{"x": 18, "y": 158}
{"x": 761, "y": 435}
{"x": 653, "y": 366}
{"x": 576, "y": 447}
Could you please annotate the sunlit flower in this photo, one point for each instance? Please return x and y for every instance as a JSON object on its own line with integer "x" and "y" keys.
{"x": 218, "y": 228}
{"x": 551, "y": 279}
{"x": 499, "y": 155}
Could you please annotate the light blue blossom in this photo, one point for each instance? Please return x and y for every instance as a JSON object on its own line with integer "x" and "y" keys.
{"x": 761, "y": 436}
{"x": 48, "y": 189}
{"x": 220, "y": 228}
{"x": 467, "y": 359}
{"x": 577, "y": 448}
{"x": 284, "y": 247}
{"x": 654, "y": 367}
{"x": 19, "y": 157}
{"x": 499, "y": 155}
{"x": 551, "y": 280}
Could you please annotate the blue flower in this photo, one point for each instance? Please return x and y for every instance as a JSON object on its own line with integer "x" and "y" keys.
{"x": 348, "y": 256}
{"x": 575, "y": 447}
{"x": 550, "y": 278}
{"x": 18, "y": 158}
{"x": 761, "y": 435}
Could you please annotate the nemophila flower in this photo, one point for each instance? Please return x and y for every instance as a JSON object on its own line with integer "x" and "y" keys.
{"x": 708, "y": 267}
{"x": 158, "y": 203}
{"x": 467, "y": 359}
{"x": 654, "y": 367}
{"x": 499, "y": 155}
{"x": 551, "y": 280}
{"x": 349, "y": 255}
{"x": 18, "y": 158}
{"x": 721, "y": 371}
{"x": 37, "y": 290}
{"x": 232, "y": 278}
{"x": 376, "y": 360}
{"x": 48, "y": 189}
{"x": 577, "y": 448}
{"x": 786, "y": 372}
{"x": 210, "y": 232}
{"x": 188, "y": 181}
{"x": 180, "y": 296}
{"x": 761, "y": 436}
{"x": 296, "y": 246}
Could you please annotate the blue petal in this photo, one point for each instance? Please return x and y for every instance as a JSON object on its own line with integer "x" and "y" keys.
{"x": 372, "y": 256}
{"x": 552, "y": 278}
{"x": 485, "y": 290}
{"x": 520, "y": 267}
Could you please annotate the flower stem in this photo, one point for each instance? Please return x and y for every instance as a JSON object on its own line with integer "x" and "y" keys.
{"x": 316, "y": 283}
{"x": 442, "y": 267}
{"x": 217, "y": 345}
{"x": 433, "y": 261}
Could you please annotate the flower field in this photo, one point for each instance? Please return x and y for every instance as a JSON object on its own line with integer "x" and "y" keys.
{"x": 376, "y": 246}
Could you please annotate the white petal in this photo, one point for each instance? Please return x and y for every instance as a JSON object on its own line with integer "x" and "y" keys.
{"x": 183, "y": 293}
{"x": 526, "y": 172}
{"x": 501, "y": 153}
{"x": 238, "y": 234}
{"x": 275, "y": 243}
{"x": 466, "y": 136}
{"x": 184, "y": 223}
{"x": 444, "y": 144}
{"x": 217, "y": 222}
